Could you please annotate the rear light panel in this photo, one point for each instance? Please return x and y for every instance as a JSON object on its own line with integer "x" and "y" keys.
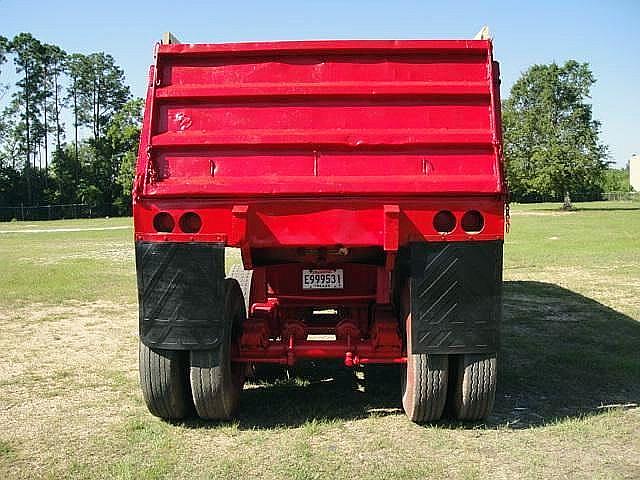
{"x": 319, "y": 222}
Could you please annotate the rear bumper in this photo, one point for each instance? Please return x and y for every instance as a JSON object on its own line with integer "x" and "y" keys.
{"x": 308, "y": 222}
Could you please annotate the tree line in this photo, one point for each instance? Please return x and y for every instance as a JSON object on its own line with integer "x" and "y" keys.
{"x": 42, "y": 161}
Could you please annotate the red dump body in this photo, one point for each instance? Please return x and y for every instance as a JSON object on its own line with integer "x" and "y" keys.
{"x": 321, "y": 143}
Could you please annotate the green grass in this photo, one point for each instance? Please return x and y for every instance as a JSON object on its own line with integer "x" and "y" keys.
{"x": 70, "y": 405}
{"x": 590, "y": 237}
{"x": 60, "y": 266}
{"x": 6, "y": 449}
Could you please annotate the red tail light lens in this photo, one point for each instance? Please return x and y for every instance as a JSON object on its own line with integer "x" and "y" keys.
{"x": 472, "y": 221}
{"x": 190, "y": 222}
{"x": 444, "y": 222}
{"x": 163, "y": 222}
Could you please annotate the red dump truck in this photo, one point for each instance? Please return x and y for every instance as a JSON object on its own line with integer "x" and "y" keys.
{"x": 363, "y": 184}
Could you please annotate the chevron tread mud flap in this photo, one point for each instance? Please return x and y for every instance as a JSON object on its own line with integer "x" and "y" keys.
{"x": 180, "y": 294}
{"x": 456, "y": 297}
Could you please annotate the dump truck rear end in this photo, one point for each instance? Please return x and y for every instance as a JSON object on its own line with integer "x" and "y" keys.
{"x": 363, "y": 184}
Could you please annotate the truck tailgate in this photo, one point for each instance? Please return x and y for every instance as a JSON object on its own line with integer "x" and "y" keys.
{"x": 322, "y": 117}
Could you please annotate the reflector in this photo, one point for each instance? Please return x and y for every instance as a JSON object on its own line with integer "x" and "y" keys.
{"x": 444, "y": 221}
{"x": 163, "y": 222}
{"x": 190, "y": 222}
{"x": 472, "y": 221}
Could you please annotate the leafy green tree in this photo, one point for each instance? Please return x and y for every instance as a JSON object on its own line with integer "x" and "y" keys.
{"x": 616, "y": 180}
{"x": 4, "y": 126}
{"x": 65, "y": 169}
{"x": 27, "y": 101}
{"x": 10, "y": 185}
{"x": 96, "y": 94}
{"x": 54, "y": 64}
{"x": 50, "y": 58}
{"x": 123, "y": 131}
{"x": 552, "y": 144}
{"x": 124, "y": 135}
{"x": 26, "y": 109}
{"x": 75, "y": 66}
{"x": 4, "y": 45}
{"x": 102, "y": 91}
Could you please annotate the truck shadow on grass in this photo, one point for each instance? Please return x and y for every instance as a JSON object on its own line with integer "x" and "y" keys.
{"x": 564, "y": 355}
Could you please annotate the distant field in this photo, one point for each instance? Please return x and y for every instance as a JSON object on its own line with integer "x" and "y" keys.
{"x": 568, "y": 392}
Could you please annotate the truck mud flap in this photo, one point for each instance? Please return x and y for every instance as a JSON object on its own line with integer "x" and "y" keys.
{"x": 180, "y": 294}
{"x": 456, "y": 297}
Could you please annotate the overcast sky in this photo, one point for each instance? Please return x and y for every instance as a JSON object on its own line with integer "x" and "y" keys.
{"x": 605, "y": 34}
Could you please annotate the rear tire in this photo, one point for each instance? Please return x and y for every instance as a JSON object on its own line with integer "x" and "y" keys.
{"x": 473, "y": 388}
{"x": 216, "y": 381}
{"x": 424, "y": 377}
{"x": 163, "y": 378}
{"x": 424, "y": 387}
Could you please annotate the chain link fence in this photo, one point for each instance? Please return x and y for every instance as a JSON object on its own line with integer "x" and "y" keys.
{"x": 625, "y": 196}
{"x": 47, "y": 212}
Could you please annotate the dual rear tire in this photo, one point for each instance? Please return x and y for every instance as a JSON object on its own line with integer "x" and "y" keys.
{"x": 462, "y": 386}
{"x": 175, "y": 383}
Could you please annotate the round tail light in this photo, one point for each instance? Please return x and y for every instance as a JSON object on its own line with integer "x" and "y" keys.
{"x": 472, "y": 221}
{"x": 163, "y": 222}
{"x": 444, "y": 222}
{"x": 190, "y": 222}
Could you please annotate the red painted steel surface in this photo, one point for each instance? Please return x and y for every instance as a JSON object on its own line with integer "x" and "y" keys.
{"x": 315, "y": 138}
{"x": 331, "y": 153}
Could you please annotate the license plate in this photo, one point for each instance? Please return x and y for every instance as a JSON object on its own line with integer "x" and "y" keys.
{"x": 320, "y": 279}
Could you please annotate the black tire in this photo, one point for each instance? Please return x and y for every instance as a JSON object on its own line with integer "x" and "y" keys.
{"x": 473, "y": 388}
{"x": 424, "y": 387}
{"x": 163, "y": 378}
{"x": 424, "y": 378}
{"x": 216, "y": 382}
{"x": 244, "y": 278}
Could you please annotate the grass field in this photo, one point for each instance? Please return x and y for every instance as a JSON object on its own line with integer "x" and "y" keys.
{"x": 568, "y": 392}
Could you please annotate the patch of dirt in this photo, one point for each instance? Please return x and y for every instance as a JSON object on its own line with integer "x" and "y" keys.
{"x": 64, "y": 371}
{"x": 122, "y": 252}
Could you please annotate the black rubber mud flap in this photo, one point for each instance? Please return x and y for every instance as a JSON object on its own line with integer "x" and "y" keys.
{"x": 180, "y": 294}
{"x": 456, "y": 297}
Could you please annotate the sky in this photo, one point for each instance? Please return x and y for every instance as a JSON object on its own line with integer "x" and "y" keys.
{"x": 606, "y": 34}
